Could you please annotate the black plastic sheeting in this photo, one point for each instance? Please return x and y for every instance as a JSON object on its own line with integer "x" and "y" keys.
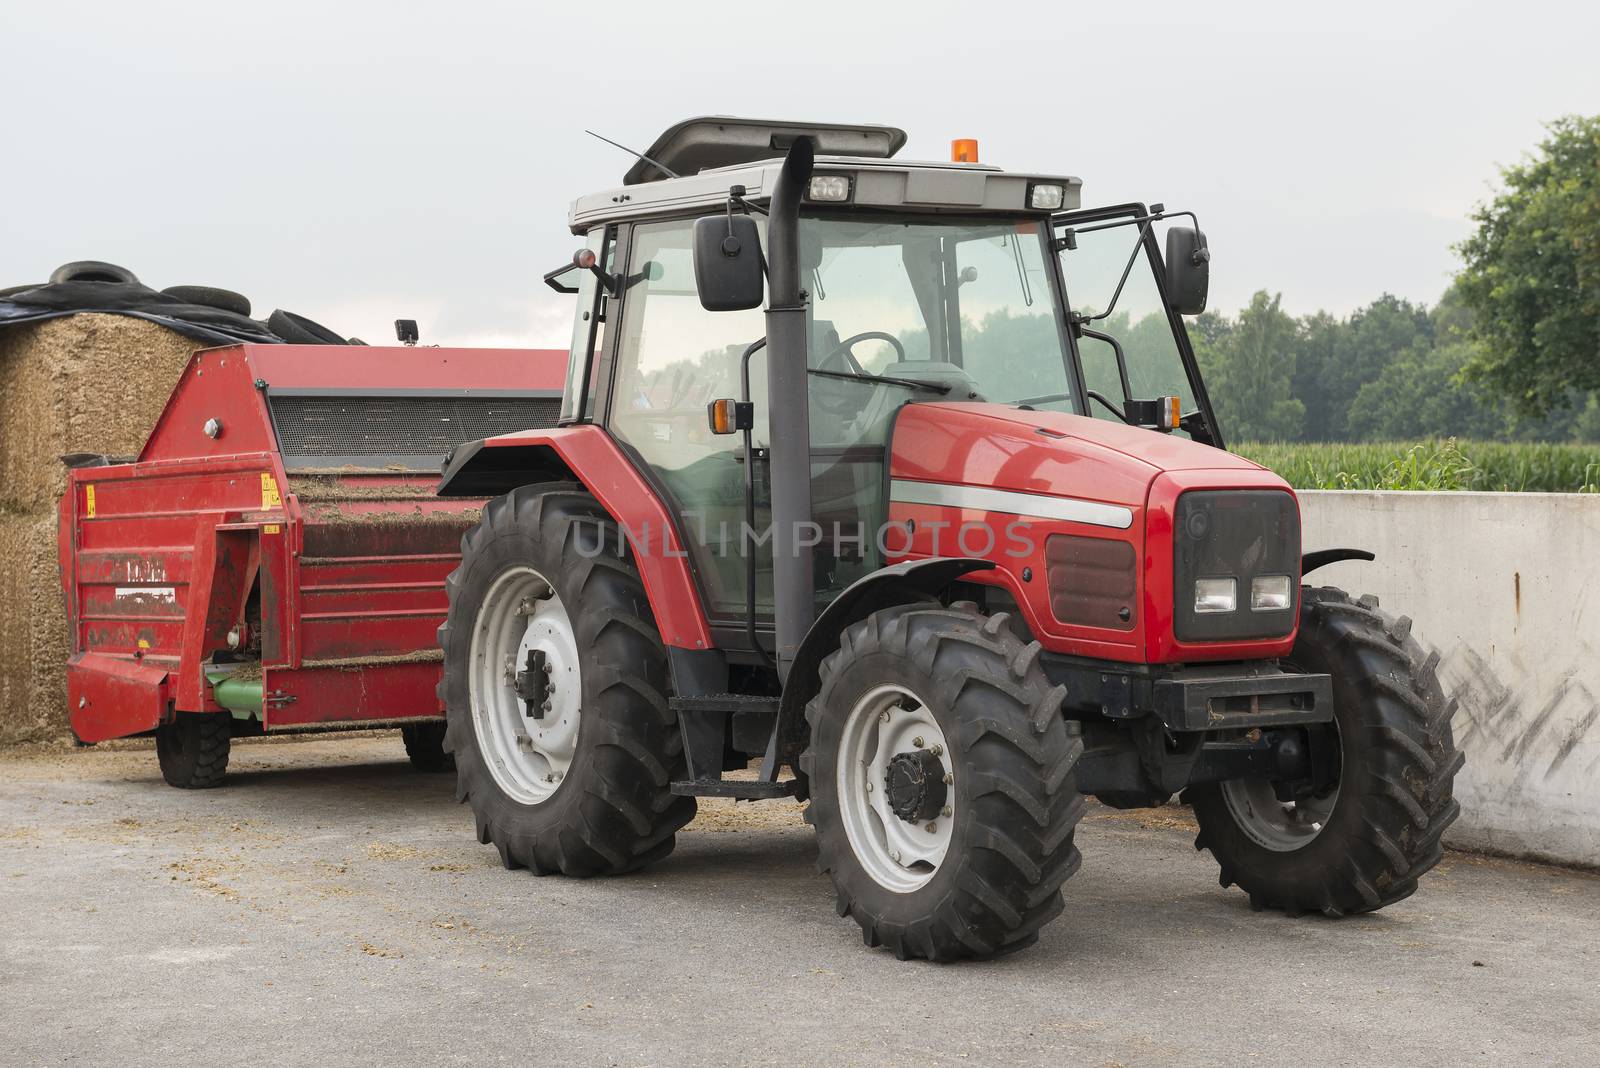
{"x": 203, "y": 323}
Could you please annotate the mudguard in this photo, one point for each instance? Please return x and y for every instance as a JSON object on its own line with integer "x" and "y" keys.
{"x": 1309, "y": 562}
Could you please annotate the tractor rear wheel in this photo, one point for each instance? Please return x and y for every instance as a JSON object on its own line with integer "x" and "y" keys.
{"x": 555, "y": 687}
{"x": 1364, "y": 842}
{"x": 193, "y": 749}
{"x": 943, "y": 786}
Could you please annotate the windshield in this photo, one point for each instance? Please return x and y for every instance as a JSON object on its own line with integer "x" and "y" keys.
{"x": 965, "y": 305}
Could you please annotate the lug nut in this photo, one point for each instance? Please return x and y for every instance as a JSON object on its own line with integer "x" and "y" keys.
{"x": 894, "y": 855}
{"x": 947, "y": 812}
{"x": 938, "y": 750}
{"x": 883, "y": 717}
{"x": 869, "y": 787}
{"x": 932, "y": 827}
{"x": 949, "y": 778}
{"x": 917, "y": 741}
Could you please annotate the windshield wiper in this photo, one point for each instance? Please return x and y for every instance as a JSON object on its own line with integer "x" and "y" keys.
{"x": 862, "y": 376}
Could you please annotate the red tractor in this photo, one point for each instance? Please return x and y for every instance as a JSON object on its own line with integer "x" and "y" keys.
{"x": 945, "y": 536}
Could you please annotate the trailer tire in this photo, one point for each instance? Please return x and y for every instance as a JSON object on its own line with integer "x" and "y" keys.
{"x": 610, "y": 809}
{"x": 211, "y": 297}
{"x": 92, "y": 271}
{"x": 425, "y": 747}
{"x": 980, "y": 705}
{"x": 1398, "y": 763}
{"x": 193, "y": 749}
{"x": 298, "y": 330}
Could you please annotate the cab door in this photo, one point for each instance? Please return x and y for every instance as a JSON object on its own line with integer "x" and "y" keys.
{"x": 1111, "y": 269}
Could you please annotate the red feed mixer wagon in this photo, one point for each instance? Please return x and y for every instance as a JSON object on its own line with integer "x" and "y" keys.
{"x": 274, "y": 559}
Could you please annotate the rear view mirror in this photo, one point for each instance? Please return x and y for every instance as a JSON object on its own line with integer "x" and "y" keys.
{"x": 727, "y": 263}
{"x": 1188, "y": 270}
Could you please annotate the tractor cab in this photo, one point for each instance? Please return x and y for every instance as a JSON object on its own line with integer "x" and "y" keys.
{"x": 952, "y": 282}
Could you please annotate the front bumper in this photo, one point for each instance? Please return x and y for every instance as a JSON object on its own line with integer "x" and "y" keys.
{"x": 1193, "y": 698}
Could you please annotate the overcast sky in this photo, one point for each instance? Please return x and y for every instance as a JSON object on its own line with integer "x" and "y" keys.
{"x": 360, "y": 162}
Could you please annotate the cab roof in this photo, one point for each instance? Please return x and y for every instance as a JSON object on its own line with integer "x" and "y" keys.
{"x": 714, "y": 141}
{"x": 711, "y": 155}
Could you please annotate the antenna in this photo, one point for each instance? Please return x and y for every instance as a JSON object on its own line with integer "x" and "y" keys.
{"x": 663, "y": 168}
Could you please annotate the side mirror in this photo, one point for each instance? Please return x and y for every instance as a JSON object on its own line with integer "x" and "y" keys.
{"x": 1188, "y": 270}
{"x": 727, "y": 263}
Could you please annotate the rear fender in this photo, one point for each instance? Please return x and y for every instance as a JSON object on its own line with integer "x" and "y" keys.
{"x": 902, "y": 583}
{"x": 588, "y": 455}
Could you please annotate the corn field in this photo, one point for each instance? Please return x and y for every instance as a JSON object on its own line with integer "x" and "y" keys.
{"x": 1446, "y": 464}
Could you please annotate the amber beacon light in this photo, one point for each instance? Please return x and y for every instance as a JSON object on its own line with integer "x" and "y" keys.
{"x": 964, "y": 150}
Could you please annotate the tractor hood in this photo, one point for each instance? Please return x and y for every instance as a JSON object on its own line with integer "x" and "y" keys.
{"x": 1046, "y": 453}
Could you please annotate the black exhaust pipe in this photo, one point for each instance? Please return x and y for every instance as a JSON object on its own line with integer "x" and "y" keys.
{"x": 788, "y": 412}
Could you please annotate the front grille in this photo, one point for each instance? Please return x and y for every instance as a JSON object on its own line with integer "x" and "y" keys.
{"x": 322, "y": 430}
{"x": 1236, "y": 534}
{"x": 1093, "y": 581}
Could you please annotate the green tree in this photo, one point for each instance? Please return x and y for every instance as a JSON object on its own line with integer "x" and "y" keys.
{"x": 1249, "y": 368}
{"x": 1362, "y": 346}
{"x": 1532, "y": 274}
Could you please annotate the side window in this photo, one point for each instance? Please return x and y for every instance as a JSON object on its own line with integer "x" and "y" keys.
{"x": 1139, "y": 321}
{"x": 674, "y": 358}
{"x": 588, "y": 331}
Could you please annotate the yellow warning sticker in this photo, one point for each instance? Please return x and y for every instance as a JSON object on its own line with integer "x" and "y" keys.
{"x": 272, "y": 528}
{"x": 144, "y": 643}
{"x": 269, "y": 491}
{"x": 88, "y": 496}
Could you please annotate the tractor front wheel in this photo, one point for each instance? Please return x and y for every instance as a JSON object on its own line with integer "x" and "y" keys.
{"x": 555, "y": 690}
{"x": 1362, "y": 841}
{"x": 943, "y": 785}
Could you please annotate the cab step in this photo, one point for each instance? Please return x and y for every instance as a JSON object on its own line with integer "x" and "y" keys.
{"x": 738, "y": 789}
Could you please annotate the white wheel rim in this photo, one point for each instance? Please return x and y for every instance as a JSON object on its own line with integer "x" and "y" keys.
{"x": 1281, "y": 826}
{"x": 522, "y": 614}
{"x": 900, "y": 856}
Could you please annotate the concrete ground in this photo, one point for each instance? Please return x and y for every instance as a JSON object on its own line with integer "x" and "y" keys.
{"x": 329, "y": 905}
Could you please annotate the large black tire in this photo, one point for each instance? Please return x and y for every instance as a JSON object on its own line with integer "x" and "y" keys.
{"x": 193, "y": 749}
{"x": 1397, "y": 760}
{"x": 1012, "y": 759}
{"x": 613, "y": 811}
{"x": 92, "y": 271}
{"x": 298, "y": 330}
{"x": 211, "y": 297}
{"x": 425, "y": 747}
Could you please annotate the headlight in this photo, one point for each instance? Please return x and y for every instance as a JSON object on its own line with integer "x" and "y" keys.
{"x": 1046, "y": 197}
{"x": 1215, "y": 595}
{"x": 1270, "y": 593}
{"x": 829, "y": 187}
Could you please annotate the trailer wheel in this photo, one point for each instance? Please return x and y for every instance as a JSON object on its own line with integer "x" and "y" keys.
{"x": 425, "y": 746}
{"x": 1365, "y": 842}
{"x": 943, "y": 787}
{"x": 555, "y": 685}
{"x": 193, "y": 749}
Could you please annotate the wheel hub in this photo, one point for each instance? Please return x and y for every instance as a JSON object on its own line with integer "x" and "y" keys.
{"x": 915, "y": 785}
{"x": 533, "y": 684}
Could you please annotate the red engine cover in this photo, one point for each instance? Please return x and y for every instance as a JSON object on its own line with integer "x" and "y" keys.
{"x": 995, "y": 482}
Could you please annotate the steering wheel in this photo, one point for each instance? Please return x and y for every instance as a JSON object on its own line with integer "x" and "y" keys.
{"x": 842, "y": 352}
{"x": 845, "y": 401}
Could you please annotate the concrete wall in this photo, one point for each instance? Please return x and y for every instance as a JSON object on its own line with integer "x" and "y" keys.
{"x": 1506, "y": 586}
